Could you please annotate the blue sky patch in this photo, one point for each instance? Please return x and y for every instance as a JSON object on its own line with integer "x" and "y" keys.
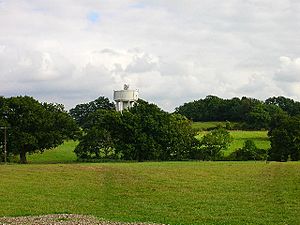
{"x": 93, "y": 16}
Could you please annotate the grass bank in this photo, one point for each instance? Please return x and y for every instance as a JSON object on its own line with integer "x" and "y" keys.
{"x": 62, "y": 154}
{"x": 168, "y": 192}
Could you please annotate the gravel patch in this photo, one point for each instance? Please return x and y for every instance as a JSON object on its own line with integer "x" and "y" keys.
{"x": 61, "y": 219}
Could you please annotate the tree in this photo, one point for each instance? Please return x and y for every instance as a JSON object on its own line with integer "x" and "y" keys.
{"x": 213, "y": 143}
{"x": 287, "y": 104}
{"x": 35, "y": 126}
{"x": 82, "y": 111}
{"x": 96, "y": 144}
{"x": 285, "y": 138}
{"x": 144, "y": 132}
{"x": 152, "y": 134}
{"x": 259, "y": 117}
{"x": 213, "y": 108}
{"x": 101, "y": 133}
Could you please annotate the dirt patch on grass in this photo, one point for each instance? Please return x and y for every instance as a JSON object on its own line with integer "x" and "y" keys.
{"x": 60, "y": 219}
{"x": 92, "y": 168}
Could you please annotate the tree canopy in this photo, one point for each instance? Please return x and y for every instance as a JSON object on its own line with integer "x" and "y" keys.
{"x": 255, "y": 114}
{"x": 144, "y": 132}
{"x": 81, "y": 111}
{"x": 34, "y": 126}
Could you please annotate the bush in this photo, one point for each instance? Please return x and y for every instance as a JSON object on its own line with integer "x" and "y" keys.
{"x": 212, "y": 144}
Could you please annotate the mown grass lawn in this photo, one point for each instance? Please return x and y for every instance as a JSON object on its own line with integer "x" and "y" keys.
{"x": 162, "y": 192}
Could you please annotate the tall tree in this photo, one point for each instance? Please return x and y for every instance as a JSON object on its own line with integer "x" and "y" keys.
{"x": 285, "y": 138}
{"x": 213, "y": 143}
{"x": 35, "y": 126}
{"x": 101, "y": 132}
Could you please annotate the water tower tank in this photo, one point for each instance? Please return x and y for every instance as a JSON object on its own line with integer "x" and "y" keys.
{"x": 125, "y": 98}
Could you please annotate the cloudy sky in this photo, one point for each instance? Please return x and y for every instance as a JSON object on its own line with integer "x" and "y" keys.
{"x": 73, "y": 51}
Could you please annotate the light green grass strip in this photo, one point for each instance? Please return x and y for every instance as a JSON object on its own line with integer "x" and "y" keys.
{"x": 62, "y": 154}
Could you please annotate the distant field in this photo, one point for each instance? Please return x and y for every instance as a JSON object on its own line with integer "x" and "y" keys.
{"x": 62, "y": 154}
{"x": 206, "y": 125}
{"x": 201, "y": 126}
{"x": 219, "y": 193}
{"x": 260, "y": 139}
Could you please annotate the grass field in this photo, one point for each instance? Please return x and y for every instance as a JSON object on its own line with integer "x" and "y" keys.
{"x": 62, "y": 154}
{"x": 169, "y": 192}
{"x": 260, "y": 139}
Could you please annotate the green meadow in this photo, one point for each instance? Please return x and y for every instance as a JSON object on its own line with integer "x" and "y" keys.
{"x": 161, "y": 192}
{"x": 196, "y": 192}
{"x": 260, "y": 139}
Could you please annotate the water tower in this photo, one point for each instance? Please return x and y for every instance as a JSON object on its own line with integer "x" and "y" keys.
{"x": 126, "y": 98}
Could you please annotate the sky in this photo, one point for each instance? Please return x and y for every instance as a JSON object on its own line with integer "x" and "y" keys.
{"x": 172, "y": 51}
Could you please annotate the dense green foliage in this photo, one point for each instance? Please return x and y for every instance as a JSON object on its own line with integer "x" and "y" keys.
{"x": 285, "y": 138}
{"x": 255, "y": 114}
{"x": 81, "y": 111}
{"x": 212, "y": 144}
{"x": 34, "y": 126}
{"x": 288, "y": 105}
{"x": 99, "y": 129}
{"x": 230, "y": 193}
{"x": 144, "y": 132}
{"x": 65, "y": 152}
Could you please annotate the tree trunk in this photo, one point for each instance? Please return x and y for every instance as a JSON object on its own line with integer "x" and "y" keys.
{"x": 23, "y": 159}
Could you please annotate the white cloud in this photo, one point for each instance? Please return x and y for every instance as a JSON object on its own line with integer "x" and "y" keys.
{"x": 287, "y": 77}
{"x": 172, "y": 51}
{"x": 289, "y": 70}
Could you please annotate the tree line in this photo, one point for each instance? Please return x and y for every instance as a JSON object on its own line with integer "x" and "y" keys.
{"x": 250, "y": 112}
{"x": 146, "y": 132}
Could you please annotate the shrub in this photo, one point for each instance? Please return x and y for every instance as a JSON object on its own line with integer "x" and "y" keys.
{"x": 212, "y": 144}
